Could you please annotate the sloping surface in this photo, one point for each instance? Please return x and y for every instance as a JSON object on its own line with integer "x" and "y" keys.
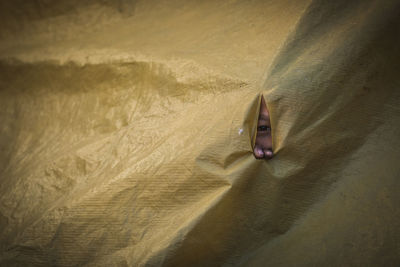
{"x": 127, "y": 129}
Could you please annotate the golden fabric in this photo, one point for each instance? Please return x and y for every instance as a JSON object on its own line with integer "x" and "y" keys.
{"x": 127, "y": 132}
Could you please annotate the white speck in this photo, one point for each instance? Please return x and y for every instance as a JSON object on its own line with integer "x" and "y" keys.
{"x": 240, "y": 131}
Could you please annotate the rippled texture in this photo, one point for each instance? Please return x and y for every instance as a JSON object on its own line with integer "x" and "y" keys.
{"x": 127, "y": 130}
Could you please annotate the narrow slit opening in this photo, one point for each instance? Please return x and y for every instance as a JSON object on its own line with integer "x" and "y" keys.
{"x": 263, "y": 142}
